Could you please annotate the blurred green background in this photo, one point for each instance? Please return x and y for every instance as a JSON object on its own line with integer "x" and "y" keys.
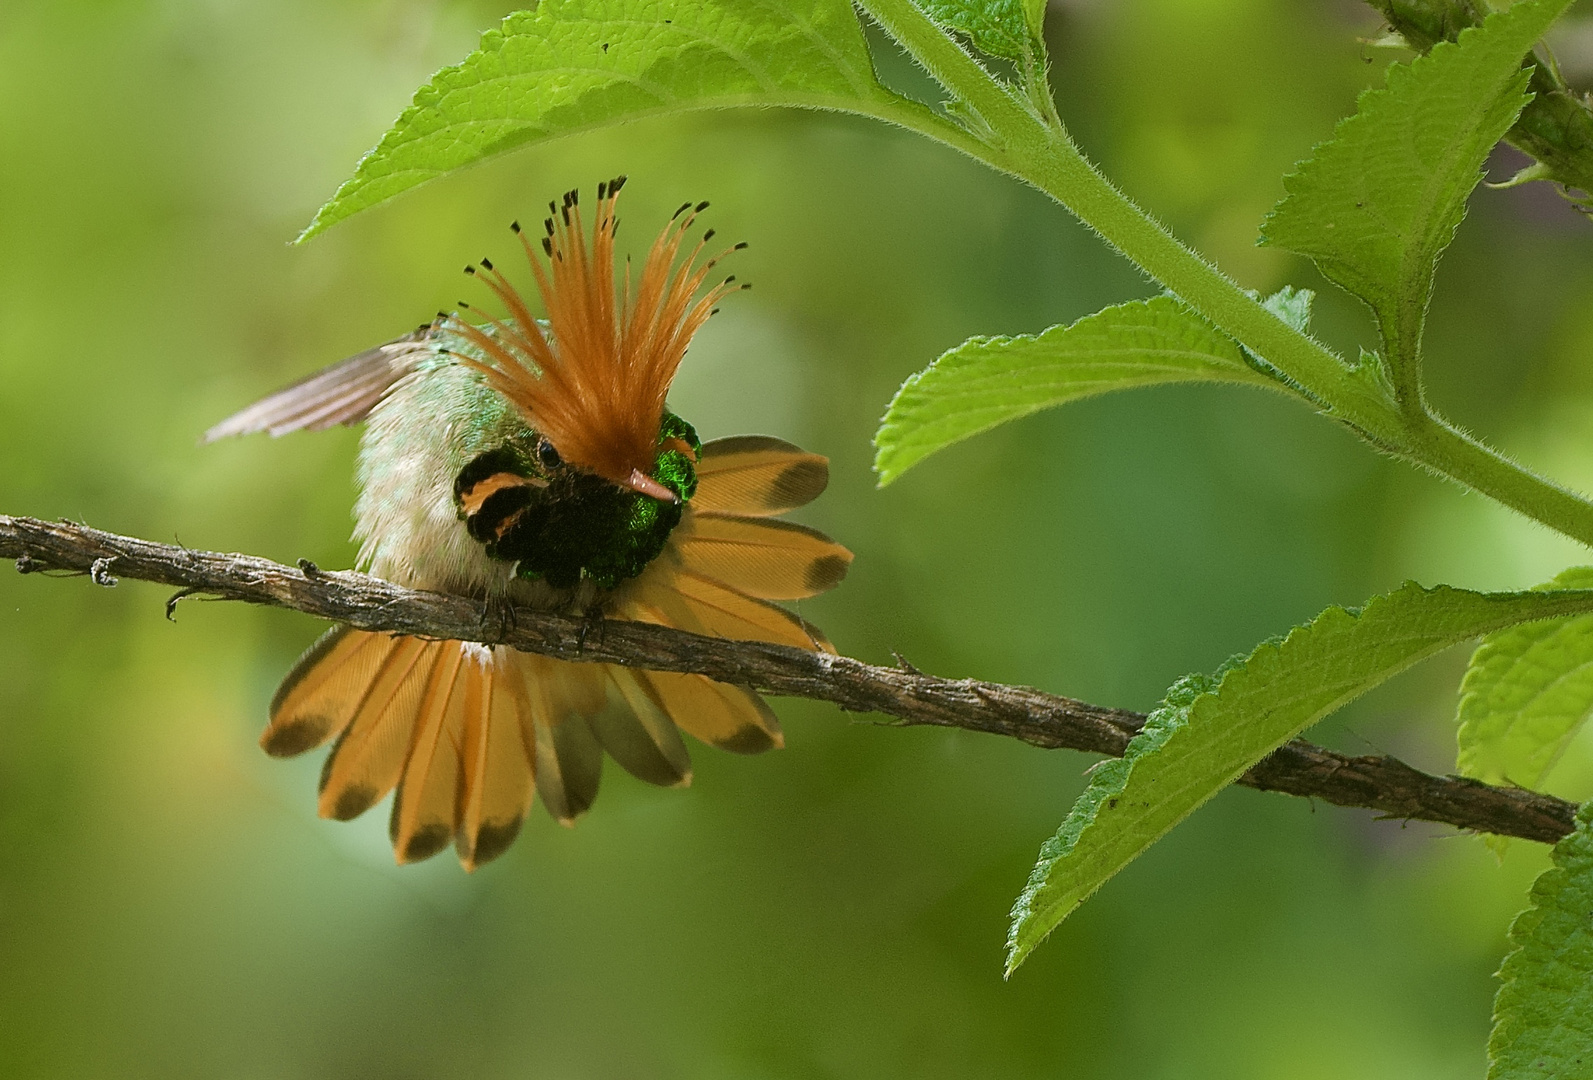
{"x": 169, "y": 904}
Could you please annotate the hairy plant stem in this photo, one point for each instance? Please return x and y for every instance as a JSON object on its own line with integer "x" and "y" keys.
{"x": 1023, "y": 145}
{"x": 1452, "y": 453}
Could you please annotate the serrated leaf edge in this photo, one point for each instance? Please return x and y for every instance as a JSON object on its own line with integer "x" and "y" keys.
{"x": 1545, "y": 891}
{"x": 1111, "y": 777}
{"x": 1238, "y": 371}
{"x": 493, "y": 40}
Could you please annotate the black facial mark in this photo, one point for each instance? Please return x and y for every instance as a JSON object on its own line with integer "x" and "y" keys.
{"x": 503, "y": 459}
{"x": 493, "y": 517}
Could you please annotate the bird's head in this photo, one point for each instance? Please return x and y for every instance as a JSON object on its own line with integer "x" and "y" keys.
{"x": 592, "y": 380}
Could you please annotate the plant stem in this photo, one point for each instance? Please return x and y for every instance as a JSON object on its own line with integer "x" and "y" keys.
{"x": 1452, "y": 453}
{"x": 1025, "y": 147}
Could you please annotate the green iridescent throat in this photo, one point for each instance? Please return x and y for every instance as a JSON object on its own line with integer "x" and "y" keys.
{"x": 578, "y": 525}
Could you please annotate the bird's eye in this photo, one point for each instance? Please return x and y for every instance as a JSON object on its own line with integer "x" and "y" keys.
{"x": 548, "y": 456}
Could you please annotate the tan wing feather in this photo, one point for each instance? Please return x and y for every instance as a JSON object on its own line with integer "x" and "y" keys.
{"x": 771, "y": 560}
{"x": 568, "y": 758}
{"x": 341, "y": 394}
{"x": 366, "y": 762}
{"x": 680, "y": 598}
{"x": 651, "y": 599}
{"x": 729, "y": 717}
{"x": 638, "y": 733}
{"x": 426, "y": 802}
{"x": 496, "y": 792}
{"x": 317, "y": 698}
{"x": 757, "y": 475}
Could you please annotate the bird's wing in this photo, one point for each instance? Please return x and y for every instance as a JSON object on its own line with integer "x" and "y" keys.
{"x": 341, "y": 394}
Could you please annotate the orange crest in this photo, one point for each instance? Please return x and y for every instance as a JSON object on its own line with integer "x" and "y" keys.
{"x": 593, "y": 383}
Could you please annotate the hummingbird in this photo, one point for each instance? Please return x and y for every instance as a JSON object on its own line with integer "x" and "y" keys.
{"x": 535, "y": 461}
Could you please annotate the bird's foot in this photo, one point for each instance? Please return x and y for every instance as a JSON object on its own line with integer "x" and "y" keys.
{"x": 497, "y": 619}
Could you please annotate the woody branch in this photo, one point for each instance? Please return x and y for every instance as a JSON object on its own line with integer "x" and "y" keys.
{"x": 1380, "y": 783}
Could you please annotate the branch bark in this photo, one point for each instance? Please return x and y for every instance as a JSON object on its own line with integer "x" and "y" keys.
{"x": 1379, "y": 783}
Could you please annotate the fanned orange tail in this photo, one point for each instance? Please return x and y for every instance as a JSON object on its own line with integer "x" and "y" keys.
{"x": 463, "y": 734}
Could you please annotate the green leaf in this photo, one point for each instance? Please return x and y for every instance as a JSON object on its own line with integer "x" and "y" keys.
{"x": 1526, "y": 694}
{"x": 1034, "y": 15}
{"x": 569, "y": 65}
{"x": 1376, "y": 205}
{"x": 1293, "y": 306}
{"x": 1209, "y": 730}
{"x": 1004, "y": 28}
{"x": 988, "y": 381}
{"x": 1543, "y": 1013}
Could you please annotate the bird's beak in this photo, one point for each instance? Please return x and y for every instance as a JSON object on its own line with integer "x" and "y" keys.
{"x": 639, "y": 481}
